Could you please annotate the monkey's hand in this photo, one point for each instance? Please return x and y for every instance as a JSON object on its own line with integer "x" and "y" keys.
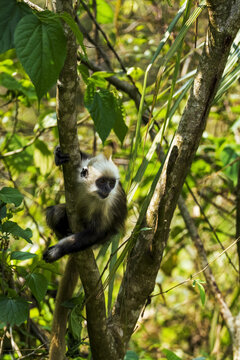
{"x": 59, "y": 157}
{"x": 52, "y": 254}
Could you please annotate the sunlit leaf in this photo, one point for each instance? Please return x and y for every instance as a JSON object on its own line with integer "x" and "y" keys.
{"x": 14, "y": 229}
{"x": 22, "y": 255}
{"x": 41, "y": 47}
{"x": 105, "y": 14}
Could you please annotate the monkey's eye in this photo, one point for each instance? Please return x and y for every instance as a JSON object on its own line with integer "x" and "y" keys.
{"x": 84, "y": 172}
{"x": 101, "y": 181}
{"x": 112, "y": 183}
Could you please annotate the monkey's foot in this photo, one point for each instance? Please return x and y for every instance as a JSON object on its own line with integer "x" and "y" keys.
{"x": 52, "y": 254}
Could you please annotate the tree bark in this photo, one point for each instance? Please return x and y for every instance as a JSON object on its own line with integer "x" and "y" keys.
{"x": 82, "y": 264}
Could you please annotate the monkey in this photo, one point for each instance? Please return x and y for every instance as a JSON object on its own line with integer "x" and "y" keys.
{"x": 101, "y": 207}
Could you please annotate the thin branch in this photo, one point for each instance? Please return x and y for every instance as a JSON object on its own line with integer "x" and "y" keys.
{"x": 225, "y": 311}
{"x": 107, "y": 40}
{"x": 33, "y": 6}
{"x": 20, "y": 150}
{"x": 200, "y": 271}
{"x": 92, "y": 41}
{"x": 210, "y": 226}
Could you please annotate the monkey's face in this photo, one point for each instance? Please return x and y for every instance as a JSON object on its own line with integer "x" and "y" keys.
{"x": 100, "y": 177}
{"x": 105, "y": 185}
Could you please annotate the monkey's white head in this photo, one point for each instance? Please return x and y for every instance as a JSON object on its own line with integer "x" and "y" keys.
{"x": 100, "y": 176}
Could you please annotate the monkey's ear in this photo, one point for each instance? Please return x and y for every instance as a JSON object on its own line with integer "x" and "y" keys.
{"x": 107, "y": 151}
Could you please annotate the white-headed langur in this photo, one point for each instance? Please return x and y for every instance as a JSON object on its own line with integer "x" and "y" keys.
{"x": 101, "y": 207}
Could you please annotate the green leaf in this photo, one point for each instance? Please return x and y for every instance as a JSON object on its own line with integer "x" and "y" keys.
{"x": 11, "y": 12}
{"x": 84, "y": 72}
{"x": 22, "y": 161}
{"x": 201, "y": 289}
{"x": 170, "y": 355}
{"x": 14, "y": 229}
{"x": 3, "y": 211}
{"x": 38, "y": 285}
{"x": 13, "y": 311}
{"x": 75, "y": 29}
{"x": 9, "y": 82}
{"x": 22, "y": 255}
{"x": 11, "y": 196}
{"x": 202, "y": 293}
{"x": 105, "y": 14}
{"x": 106, "y": 112}
{"x": 43, "y": 157}
{"x": 41, "y": 47}
{"x": 131, "y": 355}
{"x": 12, "y": 84}
{"x": 101, "y": 112}
{"x": 75, "y": 322}
{"x": 227, "y": 156}
{"x": 120, "y": 128}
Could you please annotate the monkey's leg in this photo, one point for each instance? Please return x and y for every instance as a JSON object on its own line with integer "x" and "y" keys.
{"x": 56, "y": 217}
{"x": 74, "y": 243}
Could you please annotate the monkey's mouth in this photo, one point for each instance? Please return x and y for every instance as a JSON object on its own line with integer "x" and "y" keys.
{"x": 102, "y": 195}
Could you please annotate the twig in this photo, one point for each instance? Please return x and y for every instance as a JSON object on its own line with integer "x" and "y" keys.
{"x": 210, "y": 225}
{"x": 107, "y": 40}
{"x": 92, "y": 41}
{"x": 33, "y": 6}
{"x": 15, "y": 121}
{"x": 18, "y": 151}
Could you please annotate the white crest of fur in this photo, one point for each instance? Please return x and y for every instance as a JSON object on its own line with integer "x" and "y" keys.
{"x": 98, "y": 166}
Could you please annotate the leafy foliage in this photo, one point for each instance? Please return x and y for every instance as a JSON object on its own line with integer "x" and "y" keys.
{"x": 162, "y": 67}
{"x": 11, "y": 12}
{"x": 13, "y": 311}
{"x": 106, "y": 111}
{"x": 41, "y": 47}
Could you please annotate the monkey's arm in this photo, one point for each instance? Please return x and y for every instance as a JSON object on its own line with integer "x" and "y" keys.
{"x": 74, "y": 243}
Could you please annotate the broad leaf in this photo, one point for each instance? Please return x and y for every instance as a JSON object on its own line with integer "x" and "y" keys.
{"x": 11, "y": 196}
{"x": 11, "y": 12}
{"x": 228, "y": 155}
{"x": 120, "y": 128}
{"x": 106, "y": 112}
{"x": 13, "y": 311}
{"x": 22, "y": 255}
{"x": 75, "y": 322}
{"x": 43, "y": 157}
{"x": 41, "y": 47}
{"x": 14, "y": 229}
{"x": 38, "y": 285}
